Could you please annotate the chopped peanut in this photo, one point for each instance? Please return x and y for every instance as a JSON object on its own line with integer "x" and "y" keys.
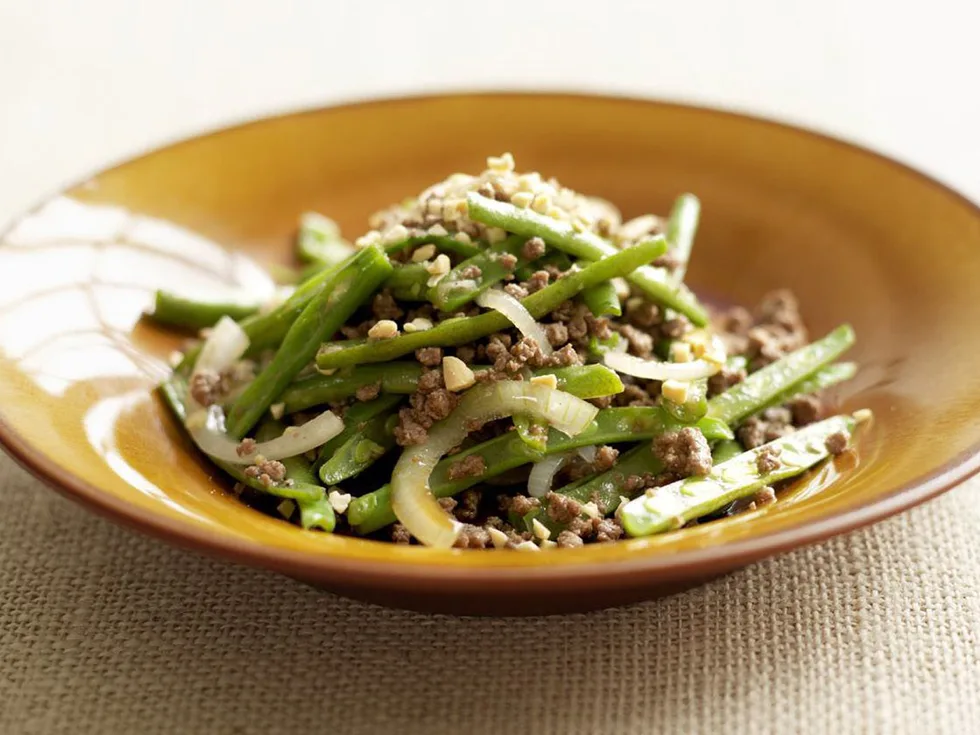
{"x": 675, "y": 390}
{"x": 423, "y": 253}
{"x": 457, "y": 374}
{"x": 549, "y": 381}
{"x": 384, "y": 329}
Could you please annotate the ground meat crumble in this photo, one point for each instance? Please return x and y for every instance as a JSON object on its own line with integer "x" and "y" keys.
{"x": 685, "y": 452}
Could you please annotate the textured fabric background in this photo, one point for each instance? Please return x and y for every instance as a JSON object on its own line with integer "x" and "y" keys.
{"x": 103, "y": 631}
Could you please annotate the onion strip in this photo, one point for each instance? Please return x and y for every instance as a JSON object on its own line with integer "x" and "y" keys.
{"x": 207, "y": 429}
{"x": 656, "y": 370}
{"x": 412, "y": 500}
{"x": 519, "y": 316}
{"x": 223, "y": 348}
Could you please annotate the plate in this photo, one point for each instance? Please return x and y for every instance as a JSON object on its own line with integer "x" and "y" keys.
{"x": 859, "y": 238}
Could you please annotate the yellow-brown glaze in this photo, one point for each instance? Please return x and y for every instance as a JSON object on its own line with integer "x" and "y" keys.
{"x": 859, "y": 238}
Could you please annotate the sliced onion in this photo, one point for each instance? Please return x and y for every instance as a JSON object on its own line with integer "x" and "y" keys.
{"x": 543, "y": 474}
{"x": 207, "y": 428}
{"x": 656, "y": 370}
{"x": 411, "y": 499}
{"x": 519, "y": 316}
{"x": 223, "y": 347}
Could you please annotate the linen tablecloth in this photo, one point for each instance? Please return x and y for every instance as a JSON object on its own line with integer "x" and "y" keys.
{"x": 104, "y": 631}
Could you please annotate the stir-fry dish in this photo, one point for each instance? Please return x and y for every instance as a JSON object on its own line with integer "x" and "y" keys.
{"x": 502, "y": 362}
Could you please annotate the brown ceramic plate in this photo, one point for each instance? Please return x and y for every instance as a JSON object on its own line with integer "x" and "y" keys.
{"x": 860, "y": 238}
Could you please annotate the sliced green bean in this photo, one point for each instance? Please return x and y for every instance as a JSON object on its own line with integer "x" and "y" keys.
{"x": 457, "y": 288}
{"x": 656, "y": 283}
{"x": 395, "y": 377}
{"x": 319, "y": 242}
{"x": 191, "y": 314}
{"x": 761, "y": 387}
{"x": 682, "y": 225}
{"x": 375, "y": 438}
{"x": 409, "y": 282}
{"x": 602, "y": 300}
{"x": 468, "y": 329}
{"x": 725, "y": 450}
{"x": 822, "y": 379}
{"x": 445, "y": 243}
{"x": 354, "y": 420}
{"x": 586, "y": 381}
{"x": 556, "y": 258}
{"x": 372, "y": 511}
{"x": 323, "y": 316}
{"x": 694, "y": 407}
{"x": 174, "y": 393}
{"x": 671, "y": 506}
{"x": 533, "y": 433}
{"x": 607, "y": 487}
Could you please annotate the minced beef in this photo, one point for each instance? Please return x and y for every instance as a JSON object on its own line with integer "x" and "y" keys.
{"x": 472, "y": 537}
{"x": 268, "y": 472}
{"x": 634, "y": 395}
{"x": 516, "y": 290}
{"x": 472, "y": 465}
{"x": 806, "y": 409}
{"x": 836, "y": 443}
{"x": 207, "y": 386}
{"x": 640, "y": 343}
{"x": 245, "y": 447}
{"x": 724, "y": 379}
{"x": 430, "y": 403}
{"x": 565, "y": 357}
{"x": 768, "y": 426}
{"x": 685, "y": 452}
{"x": 471, "y": 271}
{"x": 605, "y": 458}
{"x": 641, "y": 313}
{"x": 520, "y": 504}
{"x": 429, "y": 356}
{"x": 767, "y": 460}
{"x": 607, "y": 529}
{"x": 561, "y": 508}
{"x": 400, "y": 534}
{"x": 468, "y": 507}
{"x": 508, "y": 261}
{"x": 557, "y": 334}
{"x": 537, "y": 281}
{"x": 675, "y": 328}
{"x": 533, "y": 249}
{"x": 569, "y": 540}
{"x": 360, "y": 331}
{"x": 368, "y": 392}
{"x": 384, "y": 306}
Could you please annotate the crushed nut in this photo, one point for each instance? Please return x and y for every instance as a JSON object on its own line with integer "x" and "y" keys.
{"x": 675, "y": 390}
{"x": 372, "y": 237}
{"x": 396, "y": 233}
{"x": 277, "y": 410}
{"x": 339, "y": 501}
{"x": 540, "y": 530}
{"x": 497, "y": 537}
{"x": 549, "y": 381}
{"x": 541, "y": 203}
{"x": 437, "y": 230}
{"x": 501, "y": 164}
{"x": 457, "y": 374}
{"x": 495, "y": 235}
{"x": 418, "y": 324}
{"x": 681, "y": 352}
{"x": 440, "y": 266}
{"x": 424, "y": 252}
{"x": 384, "y": 329}
{"x": 522, "y": 199}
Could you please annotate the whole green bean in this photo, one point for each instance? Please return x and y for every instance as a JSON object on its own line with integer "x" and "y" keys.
{"x": 445, "y": 243}
{"x": 602, "y": 300}
{"x": 682, "y": 225}
{"x": 656, "y": 283}
{"x": 671, "y": 506}
{"x": 694, "y": 407}
{"x": 319, "y": 242}
{"x": 323, "y": 316}
{"x": 607, "y": 487}
{"x": 360, "y": 451}
{"x": 557, "y": 258}
{"x": 267, "y": 329}
{"x": 457, "y": 288}
{"x": 372, "y": 511}
{"x": 409, "y": 282}
{"x": 468, "y": 329}
{"x": 394, "y": 377}
{"x": 191, "y": 314}
{"x": 354, "y": 420}
{"x": 531, "y": 432}
{"x": 761, "y": 387}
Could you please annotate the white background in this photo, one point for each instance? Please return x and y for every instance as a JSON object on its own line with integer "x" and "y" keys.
{"x": 86, "y": 83}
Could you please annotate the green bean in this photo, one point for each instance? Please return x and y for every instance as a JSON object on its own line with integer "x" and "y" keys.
{"x": 174, "y": 393}
{"x": 360, "y": 451}
{"x": 354, "y": 420}
{"x": 682, "y": 225}
{"x": 319, "y": 242}
{"x": 468, "y": 329}
{"x": 606, "y": 488}
{"x": 176, "y": 311}
{"x": 409, "y": 282}
{"x": 694, "y": 407}
{"x": 533, "y": 433}
{"x": 725, "y": 450}
{"x": 314, "y": 512}
{"x": 654, "y": 282}
{"x": 372, "y": 511}
{"x": 822, "y": 379}
{"x": 267, "y": 329}
{"x": 394, "y": 377}
{"x": 555, "y": 258}
{"x": 323, "y": 316}
{"x": 671, "y": 506}
{"x": 761, "y": 387}
{"x": 456, "y": 289}
{"x": 602, "y": 300}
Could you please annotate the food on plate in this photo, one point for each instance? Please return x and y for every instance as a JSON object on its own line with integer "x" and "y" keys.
{"x": 502, "y": 362}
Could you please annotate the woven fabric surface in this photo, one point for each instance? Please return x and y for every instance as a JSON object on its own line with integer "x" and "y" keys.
{"x": 104, "y": 631}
